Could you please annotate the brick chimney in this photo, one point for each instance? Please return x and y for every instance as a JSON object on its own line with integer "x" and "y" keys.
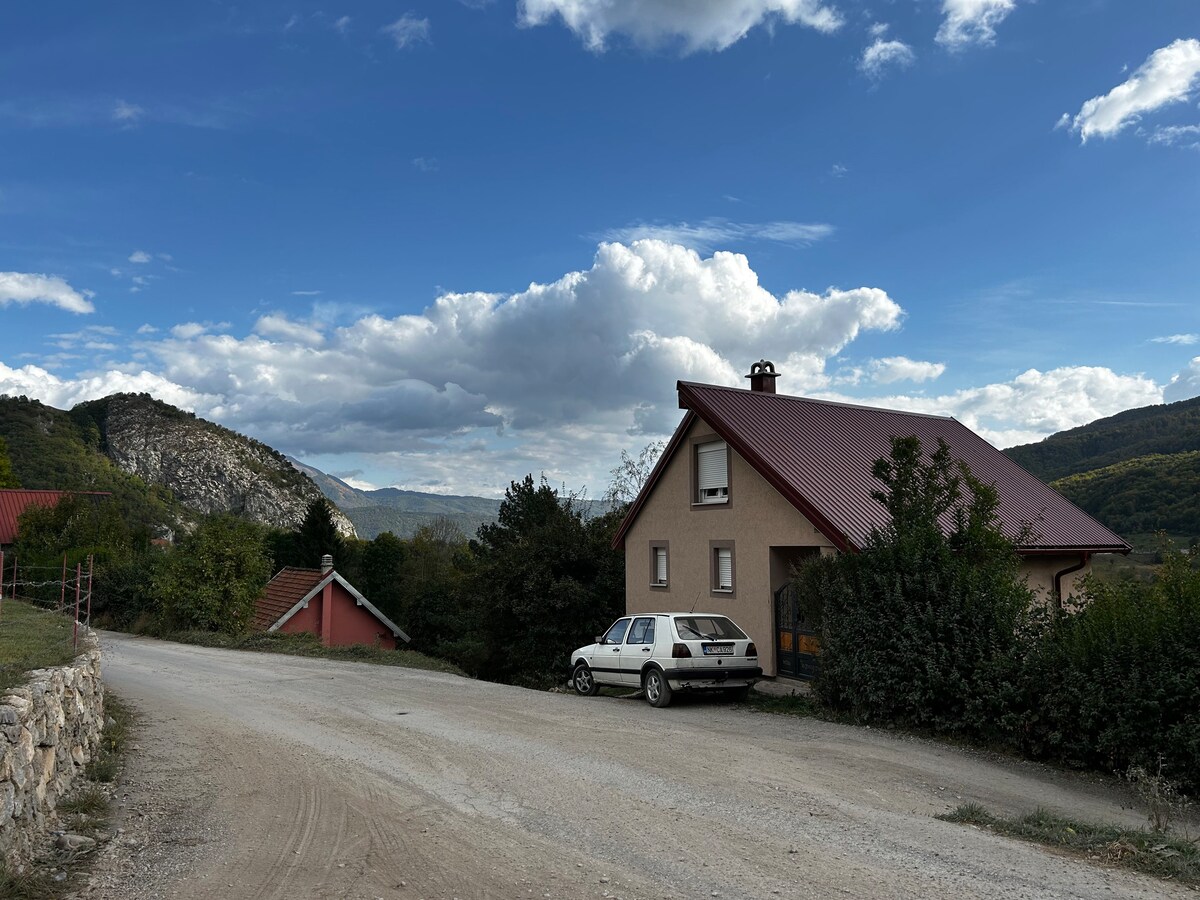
{"x": 762, "y": 376}
{"x": 326, "y": 564}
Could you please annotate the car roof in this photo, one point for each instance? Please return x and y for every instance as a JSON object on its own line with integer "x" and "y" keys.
{"x": 701, "y": 615}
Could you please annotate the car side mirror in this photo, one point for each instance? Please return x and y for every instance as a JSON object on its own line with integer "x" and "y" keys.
{"x": 598, "y": 639}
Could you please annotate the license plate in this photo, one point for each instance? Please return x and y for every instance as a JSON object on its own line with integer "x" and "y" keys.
{"x": 718, "y": 649}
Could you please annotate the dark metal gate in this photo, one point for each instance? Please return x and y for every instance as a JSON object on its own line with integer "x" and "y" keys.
{"x": 796, "y": 643}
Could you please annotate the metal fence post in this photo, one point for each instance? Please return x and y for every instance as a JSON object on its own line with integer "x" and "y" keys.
{"x": 78, "y": 582}
{"x": 62, "y": 595}
{"x": 89, "y": 597}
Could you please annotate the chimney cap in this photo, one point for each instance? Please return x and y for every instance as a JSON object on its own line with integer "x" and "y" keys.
{"x": 762, "y": 376}
{"x": 327, "y": 562}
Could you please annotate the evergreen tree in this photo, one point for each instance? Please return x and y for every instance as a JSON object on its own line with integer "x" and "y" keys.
{"x": 317, "y": 536}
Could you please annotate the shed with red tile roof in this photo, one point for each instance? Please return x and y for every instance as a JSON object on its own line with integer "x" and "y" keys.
{"x": 753, "y": 481}
{"x": 322, "y": 602}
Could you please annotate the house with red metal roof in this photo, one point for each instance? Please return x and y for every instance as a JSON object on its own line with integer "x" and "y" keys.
{"x": 14, "y": 501}
{"x": 753, "y": 482}
{"x": 322, "y": 602}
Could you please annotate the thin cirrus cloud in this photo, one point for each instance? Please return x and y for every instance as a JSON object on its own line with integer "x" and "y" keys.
{"x": 883, "y": 55}
{"x": 971, "y": 22}
{"x": 1177, "y": 339}
{"x": 696, "y": 25}
{"x": 408, "y": 31}
{"x": 713, "y": 232}
{"x": 1168, "y": 76}
{"x": 24, "y": 288}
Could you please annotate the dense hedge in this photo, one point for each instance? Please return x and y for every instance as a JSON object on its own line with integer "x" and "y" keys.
{"x": 931, "y": 627}
{"x": 1118, "y": 683}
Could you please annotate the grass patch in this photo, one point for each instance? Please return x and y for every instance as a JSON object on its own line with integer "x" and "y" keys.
{"x": 1155, "y": 853}
{"x": 800, "y": 705}
{"x": 310, "y": 645}
{"x": 105, "y": 765}
{"x": 31, "y": 638}
{"x": 91, "y": 801}
{"x": 31, "y": 885}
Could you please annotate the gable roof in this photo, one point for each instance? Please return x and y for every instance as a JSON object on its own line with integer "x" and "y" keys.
{"x": 819, "y": 455}
{"x": 14, "y": 501}
{"x": 291, "y": 590}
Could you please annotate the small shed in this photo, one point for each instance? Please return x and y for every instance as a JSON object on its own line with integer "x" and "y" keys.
{"x": 322, "y": 602}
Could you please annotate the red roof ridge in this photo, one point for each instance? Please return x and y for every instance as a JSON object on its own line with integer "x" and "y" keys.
{"x": 798, "y": 399}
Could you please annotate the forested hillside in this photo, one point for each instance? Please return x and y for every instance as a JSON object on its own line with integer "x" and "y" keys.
{"x": 1137, "y": 472}
{"x": 1135, "y": 433}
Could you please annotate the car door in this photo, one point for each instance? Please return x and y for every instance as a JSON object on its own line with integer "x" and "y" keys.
{"x": 638, "y": 647}
{"x": 606, "y": 664}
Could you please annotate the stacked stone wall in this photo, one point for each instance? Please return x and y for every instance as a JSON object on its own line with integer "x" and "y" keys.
{"x": 49, "y": 729}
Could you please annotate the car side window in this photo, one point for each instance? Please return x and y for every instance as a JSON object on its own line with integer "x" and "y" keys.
{"x": 616, "y": 633}
{"x": 642, "y": 631}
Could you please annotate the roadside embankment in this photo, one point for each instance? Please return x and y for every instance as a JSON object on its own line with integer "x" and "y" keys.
{"x": 49, "y": 729}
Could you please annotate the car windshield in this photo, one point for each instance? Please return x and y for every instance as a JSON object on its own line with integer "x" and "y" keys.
{"x": 708, "y": 628}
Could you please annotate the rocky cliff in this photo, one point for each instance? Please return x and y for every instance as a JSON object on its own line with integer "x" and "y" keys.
{"x": 208, "y": 468}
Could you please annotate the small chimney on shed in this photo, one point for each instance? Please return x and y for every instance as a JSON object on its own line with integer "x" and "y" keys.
{"x": 326, "y": 564}
{"x": 762, "y": 376}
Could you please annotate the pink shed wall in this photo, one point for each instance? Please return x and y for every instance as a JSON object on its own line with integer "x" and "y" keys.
{"x": 351, "y": 623}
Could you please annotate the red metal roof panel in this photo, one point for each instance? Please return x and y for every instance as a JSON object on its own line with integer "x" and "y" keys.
{"x": 283, "y": 592}
{"x": 820, "y": 456}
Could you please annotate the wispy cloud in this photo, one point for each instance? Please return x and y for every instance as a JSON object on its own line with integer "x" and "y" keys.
{"x": 425, "y": 164}
{"x": 139, "y": 256}
{"x": 1177, "y": 339}
{"x": 305, "y": 293}
{"x": 1176, "y": 135}
{"x": 1168, "y": 76}
{"x": 127, "y": 113}
{"x": 967, "y": 22}
{"x": 712, "y": 233}
{"x": 342, "y": 25}
{"x": 882, "y": 55}
{"x": 408, "y": 30}
{"x": 24, "y": 288}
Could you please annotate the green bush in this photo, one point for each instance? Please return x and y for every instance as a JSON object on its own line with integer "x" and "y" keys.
{"x": 1116, "y": 684}
{"x": 924, "y": 628}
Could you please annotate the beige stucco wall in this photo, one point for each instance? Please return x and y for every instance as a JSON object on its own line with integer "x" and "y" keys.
{"x": 756, "y": 519}
{"x": 1039, "y": 575}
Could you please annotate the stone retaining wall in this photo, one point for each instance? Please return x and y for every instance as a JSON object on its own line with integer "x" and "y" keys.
{"x": 48, "y": 731}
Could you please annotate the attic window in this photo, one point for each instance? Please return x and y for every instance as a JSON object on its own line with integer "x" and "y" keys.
{"x": 712, "y": 472}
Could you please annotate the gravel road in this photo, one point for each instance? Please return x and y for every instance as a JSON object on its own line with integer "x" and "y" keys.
{"x": 263, "y": 776}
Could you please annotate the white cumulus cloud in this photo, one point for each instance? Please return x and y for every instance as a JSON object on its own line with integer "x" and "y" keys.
{"x": 139, "y": 256}
{"x": 25, "y": 288}
{"x": 1168, "y": 76}
{"x": 881, "y": 55}
{"x": 901, "y": 368}
{"x": 696, "y": 24}
{"x": 967, "y": 22}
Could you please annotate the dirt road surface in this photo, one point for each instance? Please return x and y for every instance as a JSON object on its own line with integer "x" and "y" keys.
{"x": 260, "y": 776}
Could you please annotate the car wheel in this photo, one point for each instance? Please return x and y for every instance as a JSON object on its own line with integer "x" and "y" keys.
{"x": 656, "y": 689}
{"x": 584, "y": 681}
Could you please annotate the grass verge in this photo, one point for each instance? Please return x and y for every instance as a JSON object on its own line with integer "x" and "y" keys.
{"x": 310, "y": 645}
{"x": 1166, "y": 856}
{"x": 31, "y": 638}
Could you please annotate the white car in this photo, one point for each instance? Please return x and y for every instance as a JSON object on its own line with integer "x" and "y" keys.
{"x": 666, "y": 652}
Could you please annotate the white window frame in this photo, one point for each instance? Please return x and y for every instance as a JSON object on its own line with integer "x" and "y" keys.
{"x": 712, "y": 472}
{"x": 659, "y": 578}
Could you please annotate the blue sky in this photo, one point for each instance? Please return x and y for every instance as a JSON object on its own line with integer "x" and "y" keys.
{"x": 443, "y": 244}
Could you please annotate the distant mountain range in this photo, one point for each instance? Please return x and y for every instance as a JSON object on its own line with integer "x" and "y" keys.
{"x": 1138, "y": 472}
{"x": 400, "y": 512}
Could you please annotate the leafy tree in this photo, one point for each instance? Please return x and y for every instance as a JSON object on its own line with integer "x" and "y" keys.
{"x": 630, "y": 474}
{"x": 8, "y": 478}
{"x": 923, "y": 627}
{"x": 543, "y": 581}
{"x": 317, "y": 536}
{"x": 382, "y": 574}
{"x": 211, "y": 579}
